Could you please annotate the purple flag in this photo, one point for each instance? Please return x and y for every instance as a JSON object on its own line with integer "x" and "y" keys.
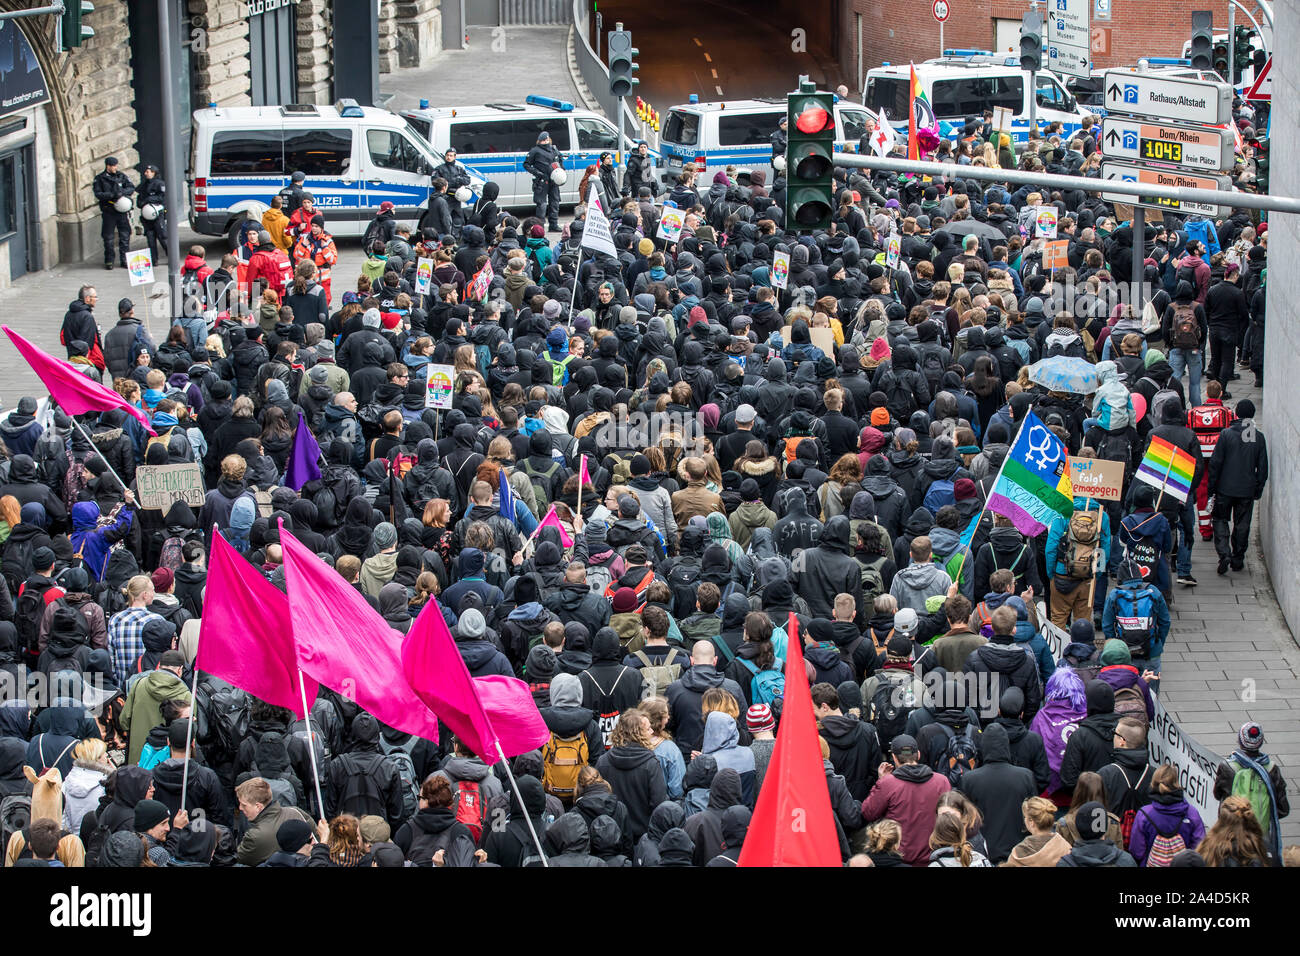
{"x": 304, "y": 457}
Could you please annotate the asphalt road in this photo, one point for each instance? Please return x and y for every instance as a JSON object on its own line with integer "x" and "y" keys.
{"x": 718, "y": 49}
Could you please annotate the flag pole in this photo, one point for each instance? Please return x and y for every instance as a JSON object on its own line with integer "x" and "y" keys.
{"x": 311, "y": 745}
{"x": 577, "y": 273}
{"x": 77, "y": 425}
{"x": 189, "y": 727}
{"x": 582, "y": 460}
{"x": 980, "y": 517}
{"x": 1160, "y": 497}
{"x": 520, "y": 797}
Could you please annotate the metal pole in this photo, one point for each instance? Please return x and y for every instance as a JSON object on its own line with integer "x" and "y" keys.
{"x": 311, "y": 745}
{"x": 34, "y": 12}
{"x": 1033, "y": 101}
{"x": 940, "y": 40}
{"x": 1139, "y": 256}
{"x": 171, "y": 174}
{"x": 858, "y": 89}
{"x": 1231, "y": 199}
{"x": 95, "y": 449}
{"x": 527, "y": 816}
{"x": 189, "y": 729}
{"x": 1232, "y": 47}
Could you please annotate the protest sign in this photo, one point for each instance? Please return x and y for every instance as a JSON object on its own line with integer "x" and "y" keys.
{"x": 423, "y": 275}
{"x": 891, "y": 251}
{"x": 1056, "y": 254}
{"x": 1045, "y": 221}
{"x": 670, "y": 224}
{"x": 780, "y": 273}
{"x": 139, "y": 267}
{"x": 1097, "y": 478}
{"x": 161, "y": 486}
{"x": 439, "y": 386}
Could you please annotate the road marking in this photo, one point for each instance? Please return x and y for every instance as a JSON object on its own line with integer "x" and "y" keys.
{"x": 697, "y": 41}
{"x": 719, "y": 89}
{"x": 715, "y": 73}
{"x": 707, "y": 58}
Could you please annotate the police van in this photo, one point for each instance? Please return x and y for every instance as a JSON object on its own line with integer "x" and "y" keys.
{"x": 354, "y": 157}
{"x": 964, "y": 83}
{"x": 493, "y": 140}
{"x": 737, "y": 133}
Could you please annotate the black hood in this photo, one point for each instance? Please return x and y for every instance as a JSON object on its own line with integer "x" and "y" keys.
{"x": 995, "y": 746}
{"x": 667, "y": 815}
{"x": 725, "y": 791}
{"x": 700, "y": 772}
{"x": 835, "y": 536}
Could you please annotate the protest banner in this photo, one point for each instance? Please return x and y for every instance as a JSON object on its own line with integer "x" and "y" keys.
{"x": 780, "y": 273}
{"x": 161, "y": 486}
{"x": 423, "y": 275}
{"x": 1096, "y": 478}
{"x": 670, "y": 224}
{"x": 439, "y": 386}
{"x": 139, "y": 267}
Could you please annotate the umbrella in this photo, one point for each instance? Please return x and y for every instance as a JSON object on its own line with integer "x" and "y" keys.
{"x": 973, "y": 227}
{"x": 1061, "y": 373}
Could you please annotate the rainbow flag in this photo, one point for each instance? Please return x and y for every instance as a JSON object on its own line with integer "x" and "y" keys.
{"x": 1168, "y": 468}
{"x": 919, "y": 114}
{"x": 1033, "y": 488}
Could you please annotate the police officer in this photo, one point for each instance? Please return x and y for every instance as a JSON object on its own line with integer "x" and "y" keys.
{"x": 456, "y": 176}
{"x": 779, "y": 138}
{"x": 108, "y": 187}
{"x": 153, "y": 192}
{"x": 291, "y": 195}
{"x": 640, "y": 170}
{"x": 539, "y": 163}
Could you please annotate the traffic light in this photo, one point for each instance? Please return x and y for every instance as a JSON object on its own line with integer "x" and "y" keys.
{"x": 1261, "y": 166}
{"x": 810, "y": 185}
{"x": 1031, "y": 42}
{"x": 621, "y": 63}
{"x": 1221, "y": 59}
{"x": 1202, "y": 40}
{"x": 73, "y": 30}
{"x": 1241, "y": 52}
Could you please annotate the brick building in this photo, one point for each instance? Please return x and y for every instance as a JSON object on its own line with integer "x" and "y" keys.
{"x": 898, "y": 32}
{"x": 62, "y": 113}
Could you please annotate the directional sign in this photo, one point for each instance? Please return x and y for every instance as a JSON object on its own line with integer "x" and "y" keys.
{"x": 1262, "y": 89}
{"x": 1068, "y": 21}
{"x": 1068, "y": 60}
{"x": 1177, "y": 99}
{"x": 1135, "y": 173}
{"x": 1201, "y": 148}
{"x": 941, "y": 10}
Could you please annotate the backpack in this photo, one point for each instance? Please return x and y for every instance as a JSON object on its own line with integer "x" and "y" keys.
{"x": 559, "y": 370}
{"x": 1185, "y": 331}
{"x": 659, "y": 676}
{"x": 1186, "y": 273}
{"x": 27, "y": 618}
{"x": 792, "y": 443}
{"x": 172, "y": 554}
{"x": 766, "y": 686}
{"x": 562, "y": 759}
{"x": 873, "y": 583}
{"x": 1130, "y": 702}
{"x": 74, "y": 481}
{"x": 621, "y": 470}
{"x": 1258, "y": 789}
{"x": 939, "y": 493}
{"x": 1117, "y": 446}
{"x": 891, "y": 705}
{"x": 191, "y": 289}
{"x": 541, "y": 479}
{"x": 683, "y": 579}
{"x": 467, "y": 801}
{"x": 599, "y": 578}
{"x": 959, "y": 755}
{"x": 1156, "y": 407}
{"x": 400, "y": 756}
{"x": 932, "y": 368}
{"x": 15, "y": 816}
{"x": 1128, "y": 804}
{"x": 151, "y": 756}
{"x": 1135, "y": 620}
{"x": 1166, "y": 846}
{"x": 1083, "y": 536}
{"x": 223, "y": 716}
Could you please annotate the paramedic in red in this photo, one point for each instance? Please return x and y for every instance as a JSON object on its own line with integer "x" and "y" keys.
{"x": 1207, "y": 421}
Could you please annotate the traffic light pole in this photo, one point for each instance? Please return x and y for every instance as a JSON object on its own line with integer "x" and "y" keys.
{"x": 171, "y": 170}
{"x": 1033, "y": 101}
{"x": 1232, "y": 48}
{"x": 34, "y": 12}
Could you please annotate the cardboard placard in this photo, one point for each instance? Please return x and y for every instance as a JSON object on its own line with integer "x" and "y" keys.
{"x": 780, "y": 273}
{"x": 139, "y": 267}
{"x": 823, "y": 339}
{"x": 1045, "y": 222}
{"x": 1056, "y": 254}
{"x": 1097, "y": 478}
{"x": 158, "y": 487}
{"x": 442, "y": 379}
{"x": 671, "y": 221}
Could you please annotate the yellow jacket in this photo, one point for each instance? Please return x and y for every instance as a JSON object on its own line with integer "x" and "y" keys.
{"x": 275, "y": 222}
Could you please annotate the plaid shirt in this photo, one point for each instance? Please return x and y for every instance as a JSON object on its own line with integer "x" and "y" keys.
{"x": 124, "y": 640}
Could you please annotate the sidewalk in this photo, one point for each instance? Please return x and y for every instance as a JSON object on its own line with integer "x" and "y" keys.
{"x": 1230, "y": 656}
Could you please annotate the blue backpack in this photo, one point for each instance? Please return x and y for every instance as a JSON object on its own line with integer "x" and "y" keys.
{"x": 151, "y": 756}
{"x": 766, "y": 685}
{"x": 1135, "y": 620}
{"x": 939, "y": 493}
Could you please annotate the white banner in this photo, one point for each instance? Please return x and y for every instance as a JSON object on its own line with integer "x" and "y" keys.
{"x": 1166, "y": 741}
{"x": 596, "y": 234}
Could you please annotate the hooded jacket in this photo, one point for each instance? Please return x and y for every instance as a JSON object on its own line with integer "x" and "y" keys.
{"x": 609, "y": 687}
{"x": 636, "y": 778}
{"x": 1016, "y": 667}
{"x": 143, "y": 709}
{"x": 1089, "y": 853}
{"x": 915, "y": 583}
{"x": 568, "y": 843}
{"x": 854, "y": 752}
{"x": 685, "y": 712}
{"x": 998, "y": 788}
{"x": 910, "y": 796}
{"x": 830, "y": 569}
{"x": 1167, "y": 814}
{"x": 705, "y": 828}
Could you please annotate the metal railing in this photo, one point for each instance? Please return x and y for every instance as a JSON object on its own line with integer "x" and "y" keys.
{"x": 534, "y": 13}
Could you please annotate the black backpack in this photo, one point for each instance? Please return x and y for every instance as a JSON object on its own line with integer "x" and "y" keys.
{"x": 891, "y": 705}
{"x": 28, "y": 610}
{"x": 932, "y": 368}
{"x": 683, "y": 579}
{"x": 223, "y": 717}
{"x": 960, "y": 754}
{"x": 360, "y": 796}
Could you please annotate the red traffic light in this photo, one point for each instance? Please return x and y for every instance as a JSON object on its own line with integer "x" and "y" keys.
{"x": 812, "y": 119}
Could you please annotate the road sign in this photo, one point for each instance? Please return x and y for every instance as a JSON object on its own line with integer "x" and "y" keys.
{"x": 1101, "y": 9}
{"x": 1201, "y": 148}
{"x": 1137, "y": 173}
{"x": 1181, "y": 100}
{"x": 941, "y": 10}
{"x": 1262, "y": 89}
{"x": 1068, "y": 22}
{"x": 1068, "y": 60}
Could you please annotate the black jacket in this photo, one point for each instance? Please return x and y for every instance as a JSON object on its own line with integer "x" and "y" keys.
{"x": 1027, "y": 749}
{"x": 998, "y": 787}
{"x": 608, "y": 686}
{"x": 1239, "y": 465}
{"x": 1090, "y": 746}
{"x": 685, "y": 696}
{"x": 830, "y": 569}
{"x": 110, "y": 187}
{"x": 1017, "y": 669}
{"x": 637, "y": 780}
{"x": 539, "y": 161}
{"x": 855, "y": 752}
{"x": 203, "y": 790}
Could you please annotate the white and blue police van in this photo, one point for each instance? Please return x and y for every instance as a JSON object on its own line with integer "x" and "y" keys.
{"x": 737, "y": 133}
{"x": 962, "y": 84}
{"x": 493, "y": 140}
{"x": 354, "y": 157}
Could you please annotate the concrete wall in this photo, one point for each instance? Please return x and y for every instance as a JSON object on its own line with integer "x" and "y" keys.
{"x": 1281, "y": 416}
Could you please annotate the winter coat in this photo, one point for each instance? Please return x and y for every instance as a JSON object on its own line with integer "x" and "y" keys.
{"x": 910, "y": 796}
{"x": 855, "y": 752}
{"x": 830, "y": 569}
{"x": 143, "y": 709}
{"x": 1090, "y": 853}
{"x": 998, "y": 787}
{"x": 634, "y": 774}
{"x": 1239, "y": 465}
{"x": 916, "y": 582}
{"x": 1016, "y": 667}
{"x": 685, "y": 711}
{"x": 1165, "y": 815}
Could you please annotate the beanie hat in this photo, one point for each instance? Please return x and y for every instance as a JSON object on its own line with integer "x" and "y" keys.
{"x": 42, "y": 558}
{"x": 624, "y": 601}
{"x": 162, "y": 579}
{"x": 964, "y": 489}
{"x": 471, "y": 623}
{"x": 1153, "y": 356}
{"x": 1245, "y": 408}
{"x": 627, "y": 315}
{"x": 1091, "y": 820}
{"x": 645, "y": 247}
{"x": 385, "y": 535}
{"x": 640, "y": 465}
{"x": 1115, "y": 651}
{"x": 906, "y": 622}
{"x": 749, "y": 490}
{"x": 375, "y": 829}
{"x": 697, "y": 314}
{"x": 541, "y": 665}
{"x": 880, "y": 349}
{"x": 759, "y": 719}
{"x": 1251, "y": 737}
{"x": 536, "y": 231}
{"x": 390, "y": 320}
{"x": 880, "y": 417}
{"x": 324, "y": 348}
{"x": 551, "y": 310}
{"x": 148, "y": 814}
{"x": 293, "y": 835}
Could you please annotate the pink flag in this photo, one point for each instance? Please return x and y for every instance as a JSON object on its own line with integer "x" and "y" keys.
{"x": 73, "y": 392}
{"x": 344, "y": 643}
{"x": 584, "y": 476}
{"x": 245, "y": 636}
{"x": 485, "y": 712}
{"x": 553, "y": 520}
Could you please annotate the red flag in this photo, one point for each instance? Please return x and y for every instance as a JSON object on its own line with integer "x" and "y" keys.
{"x": 74, "y": 393}
{"x": 245, "y": 636}
{"x": 482, "y": 711}
{"x": 793, "y": 824}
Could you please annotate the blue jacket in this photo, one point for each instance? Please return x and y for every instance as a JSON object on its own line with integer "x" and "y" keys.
{"x": 1159, "y": 609}
{"x": 93, "y": 542}
{"x": 1058, "y": 545}
{"x": 1151, "y": 526}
